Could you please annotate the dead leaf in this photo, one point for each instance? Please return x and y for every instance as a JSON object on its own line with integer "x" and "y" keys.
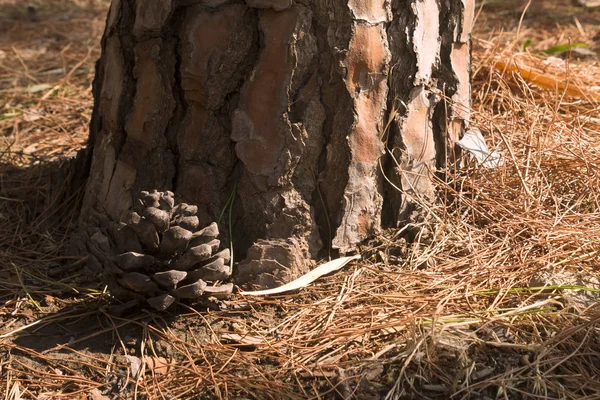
{"x": 95, "y": 394}
{"x": 28, "y": 54}
{"x": 27, "y": 313}
{"x": 38, "y": 88}
{"x": 31, "y": 116}
{"x": 245, "y": 340}
{"x": 474, "y": 143}
{"x": 590, "y": 3}
{"x": 308, "y": 278}
{"x": 135, "y": 364}
{"x": 32, "y": 148}
{"x": 158, "y": 365}
{"x": 554, "y": 62}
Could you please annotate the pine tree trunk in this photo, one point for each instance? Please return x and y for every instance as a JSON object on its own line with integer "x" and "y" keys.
{"x": 327, "y": 117}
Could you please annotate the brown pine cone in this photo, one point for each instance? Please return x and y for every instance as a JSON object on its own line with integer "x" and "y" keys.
{"x": 160, "y": 255}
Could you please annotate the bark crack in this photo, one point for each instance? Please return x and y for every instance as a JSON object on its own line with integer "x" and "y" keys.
{"x": 181, "y": 104}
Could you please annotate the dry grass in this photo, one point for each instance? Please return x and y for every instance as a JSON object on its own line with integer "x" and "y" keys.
{"x": 46, "y": 70}
{"x": 457, "y": 315}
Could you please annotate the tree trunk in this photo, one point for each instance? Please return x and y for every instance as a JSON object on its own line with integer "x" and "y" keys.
{"x": 325, "y": 118}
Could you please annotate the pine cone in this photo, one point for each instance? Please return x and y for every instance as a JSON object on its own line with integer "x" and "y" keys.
{"x": 160, "y": 255}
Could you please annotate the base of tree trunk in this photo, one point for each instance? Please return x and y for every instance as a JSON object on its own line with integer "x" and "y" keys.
{"x": 309, "y": 125}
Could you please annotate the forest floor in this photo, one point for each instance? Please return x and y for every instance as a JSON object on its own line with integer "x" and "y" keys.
{"x": 502, "y": 302}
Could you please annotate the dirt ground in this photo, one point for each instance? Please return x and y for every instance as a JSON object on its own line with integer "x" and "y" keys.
{"x": 499, "y": 302}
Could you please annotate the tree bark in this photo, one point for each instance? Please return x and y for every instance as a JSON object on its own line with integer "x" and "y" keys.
{"x": 328, "y": 117}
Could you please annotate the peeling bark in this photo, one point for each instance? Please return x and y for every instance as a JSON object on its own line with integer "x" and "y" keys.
{"x": 289, "y": 101}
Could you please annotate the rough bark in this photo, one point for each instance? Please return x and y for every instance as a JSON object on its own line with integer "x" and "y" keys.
{"x": 317, "y": 111}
